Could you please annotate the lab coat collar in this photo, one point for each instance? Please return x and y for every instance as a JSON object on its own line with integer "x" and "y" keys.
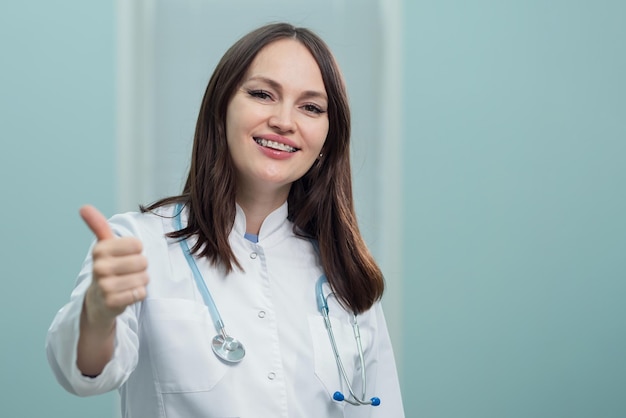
{"x": 273, "y": 226}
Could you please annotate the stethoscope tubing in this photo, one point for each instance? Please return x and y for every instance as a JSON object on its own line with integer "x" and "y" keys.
{"x": 232, "y": 351}
{"x": 322, "y": 304}
{"x": 204, "y": 290}
{"x": 223, "y": 345}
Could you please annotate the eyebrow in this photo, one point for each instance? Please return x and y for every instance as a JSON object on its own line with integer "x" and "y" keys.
{"x": 276, "y": 85}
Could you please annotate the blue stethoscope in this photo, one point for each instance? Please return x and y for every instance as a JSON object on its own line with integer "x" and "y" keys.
{"x": 232, "y": 350}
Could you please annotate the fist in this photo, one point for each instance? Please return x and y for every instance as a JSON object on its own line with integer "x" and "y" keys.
{"x": 119, "y": 271}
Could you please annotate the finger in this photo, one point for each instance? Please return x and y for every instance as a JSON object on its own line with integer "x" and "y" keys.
{"x": 117, "y": 300}
{"x": 127, "y": 298}
{"x": 96, "y": 222}
{"x": 119, "y": 247}
{"x": 119, "y": 283}
{"x": 138, "y": 294}
{"x": 119, "y": 265}
{"x": 129, "y": 264}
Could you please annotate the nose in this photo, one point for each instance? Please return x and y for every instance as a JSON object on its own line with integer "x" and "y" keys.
{"x": 282, "y": 119}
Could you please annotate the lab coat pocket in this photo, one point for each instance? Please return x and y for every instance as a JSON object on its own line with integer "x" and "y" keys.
{"x": 326, "y": 367}
{"x": 179, "y": 333}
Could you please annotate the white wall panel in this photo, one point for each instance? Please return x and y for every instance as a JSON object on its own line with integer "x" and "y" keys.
{"x": 167, "y": 52}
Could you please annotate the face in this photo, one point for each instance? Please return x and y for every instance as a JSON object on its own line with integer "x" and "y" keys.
{"x": 277, "y": 120}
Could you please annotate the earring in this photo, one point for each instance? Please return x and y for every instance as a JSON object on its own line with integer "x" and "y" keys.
{"x": 321, "y": 154}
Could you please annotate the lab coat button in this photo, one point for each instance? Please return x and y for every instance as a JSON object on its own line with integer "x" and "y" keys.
{"x": 271, "y": 375}
{"x": 261, "y": 314}
{"x": 253, "y": 255}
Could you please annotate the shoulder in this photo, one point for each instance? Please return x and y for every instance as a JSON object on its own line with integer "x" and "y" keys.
{"x": 143, "y": 224}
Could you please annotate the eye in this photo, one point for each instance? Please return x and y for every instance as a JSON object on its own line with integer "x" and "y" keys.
{"x": 312, "y": 108}
{"x": 260, "y": 94}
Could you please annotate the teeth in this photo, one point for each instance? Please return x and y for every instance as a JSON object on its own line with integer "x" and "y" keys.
{"x": 275, "y": 145}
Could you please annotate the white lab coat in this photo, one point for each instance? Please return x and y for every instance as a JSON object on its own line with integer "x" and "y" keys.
{"x": 163, "y": 365}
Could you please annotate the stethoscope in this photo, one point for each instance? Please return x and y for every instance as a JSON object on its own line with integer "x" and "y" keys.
{"x": 224, "y": 346}
{"x": 322, "y": 305}
{"x": 232, "y": 350}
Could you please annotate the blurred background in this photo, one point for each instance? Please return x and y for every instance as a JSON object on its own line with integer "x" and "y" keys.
{"x": 489, "y": 160}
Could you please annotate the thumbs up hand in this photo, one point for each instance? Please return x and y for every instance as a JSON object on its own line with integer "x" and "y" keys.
{"x": 119, "y": 271}
{"x": 119, "y": 280}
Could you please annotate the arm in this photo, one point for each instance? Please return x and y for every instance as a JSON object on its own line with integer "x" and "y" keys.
{"x": 100, "y": 321}
{"x": 119, "y": 279}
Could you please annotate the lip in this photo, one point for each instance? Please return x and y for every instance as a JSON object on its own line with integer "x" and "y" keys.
{"x": 278, "y": 138}
{"x": 274, "y": 153}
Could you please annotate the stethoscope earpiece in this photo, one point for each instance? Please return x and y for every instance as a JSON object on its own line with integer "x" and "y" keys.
{"x": 322, "y": 305}
{"x": 338, "y": 396}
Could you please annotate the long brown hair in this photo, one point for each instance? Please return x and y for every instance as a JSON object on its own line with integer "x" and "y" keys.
{"x": 321, "y": 205}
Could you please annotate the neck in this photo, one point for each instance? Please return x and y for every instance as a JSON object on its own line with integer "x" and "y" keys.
{"x": 258, "y": 207}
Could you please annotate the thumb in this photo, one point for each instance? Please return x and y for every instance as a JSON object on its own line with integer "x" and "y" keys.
{"x": 96, "y": 222}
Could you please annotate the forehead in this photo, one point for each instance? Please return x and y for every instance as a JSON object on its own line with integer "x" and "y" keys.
{"x": 287, "y": 61}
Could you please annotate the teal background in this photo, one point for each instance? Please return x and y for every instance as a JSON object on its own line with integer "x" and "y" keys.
{"x": 57, "y": 93}
{"x": 514, "y": 166}
{"x": 515, "y": 204}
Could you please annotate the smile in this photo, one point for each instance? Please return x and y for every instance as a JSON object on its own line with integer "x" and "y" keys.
{"x": 275, "y": 145}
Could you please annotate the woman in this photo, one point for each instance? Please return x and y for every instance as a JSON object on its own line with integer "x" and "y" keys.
{"x": 267, "y": 213}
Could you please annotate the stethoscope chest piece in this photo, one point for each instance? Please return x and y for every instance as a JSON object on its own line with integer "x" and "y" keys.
{"x": 228, "y": 348}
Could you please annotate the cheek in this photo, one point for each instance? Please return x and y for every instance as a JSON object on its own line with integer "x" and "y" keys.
{"x": 235, "y": 132}
{"x": 323, "y": 136}
{"x": 235, "y": 124}
{"x": 229, "y": 126}
{"x": 318, "y": 136}
{"x": 242, "y": 120}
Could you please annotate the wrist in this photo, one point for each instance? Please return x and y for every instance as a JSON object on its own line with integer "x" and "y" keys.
{"x": 93, "y": 318}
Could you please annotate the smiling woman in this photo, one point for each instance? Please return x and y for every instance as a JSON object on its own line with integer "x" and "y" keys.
{"x": 276, "y": 124}
{"x": 265, "y": 225}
